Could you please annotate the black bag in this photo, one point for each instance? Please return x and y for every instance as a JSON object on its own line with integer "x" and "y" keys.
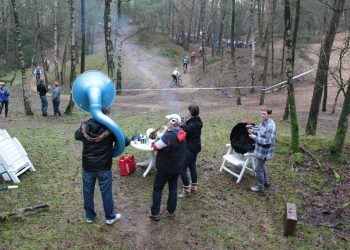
{"x": 240, "y": 140}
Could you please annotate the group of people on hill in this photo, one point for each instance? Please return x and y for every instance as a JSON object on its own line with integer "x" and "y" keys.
{"x": 185, "y": 61}
{"x": 177, "y": 148}
{"x": 42, "y": 89}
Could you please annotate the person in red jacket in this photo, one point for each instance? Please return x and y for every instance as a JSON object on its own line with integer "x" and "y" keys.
{"x": 171, "y": 147}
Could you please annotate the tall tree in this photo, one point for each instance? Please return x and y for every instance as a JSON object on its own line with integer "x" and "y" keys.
{"x": 294, "y": 41}
{"x": 119, "y": 47}
{"x": 73, "y": 71}
{"x": 56, "y": 42}
{"x": 322, "y": 68}
{"x": 201, "y": 17}
{"x": 26, "y": 99}
{"x": 40, "y": 42}
{"x": 108, "y": 39}
{"x": 189, "y": 31}
{"x": 83, "y": 35}
{"x": 234, "y": 69}
{"x": 343, "y": 121}
{"x": 290, "y": 68}
{"x": 252, "y": 28}
{"x": 267, "y": 53}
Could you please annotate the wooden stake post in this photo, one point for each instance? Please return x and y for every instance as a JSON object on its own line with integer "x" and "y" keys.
{"x": 290, "y": 220}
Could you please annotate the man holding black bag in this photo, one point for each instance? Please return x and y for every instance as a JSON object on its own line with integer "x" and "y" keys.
{"x": 264, "y": 138}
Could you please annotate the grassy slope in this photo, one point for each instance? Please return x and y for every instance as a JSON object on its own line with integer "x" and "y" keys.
{"x": 223, "y": 215}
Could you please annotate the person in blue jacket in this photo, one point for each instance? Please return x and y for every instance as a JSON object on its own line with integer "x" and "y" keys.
{"x": 4, "y": 98}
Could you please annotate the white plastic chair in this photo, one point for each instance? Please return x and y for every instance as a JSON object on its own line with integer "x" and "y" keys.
{"x": 241, "y": 161}
{"x": 13, "y": 159}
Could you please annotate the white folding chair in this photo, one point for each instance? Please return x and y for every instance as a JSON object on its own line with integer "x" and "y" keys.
{"x": 13, "y": 159}
{"x": 241, "y": 161}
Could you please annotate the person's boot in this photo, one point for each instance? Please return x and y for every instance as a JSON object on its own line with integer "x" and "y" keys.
{"x": 194, "y": 188}
{"x": 186, "y": 191}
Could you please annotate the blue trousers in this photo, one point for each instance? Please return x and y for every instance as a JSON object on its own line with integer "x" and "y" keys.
{"x": 105, "y": 182}
{"x": 261, "y": 174}
{"x": 190, "y": 163}
{"x": 56, "y": 110}
{"x": 44, "y": 105}
{"x": 159, "y": 182}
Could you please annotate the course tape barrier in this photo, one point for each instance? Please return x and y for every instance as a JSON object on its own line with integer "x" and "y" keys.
{"x": 218, "y": 88}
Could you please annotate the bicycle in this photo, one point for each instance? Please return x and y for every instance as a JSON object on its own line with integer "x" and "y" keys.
{"x": 176, "y": 83}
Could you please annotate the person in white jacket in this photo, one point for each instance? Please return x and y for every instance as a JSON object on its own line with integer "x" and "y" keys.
{"x": 176, "y": 74}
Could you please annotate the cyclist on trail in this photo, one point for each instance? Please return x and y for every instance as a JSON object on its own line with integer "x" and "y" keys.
{"x": 37, "y": 73}
{"x": 185, "y": 63}
{"x": 176, "y": 74}
{"x": 193, "y": 56}
{"x": 200, "y": 51}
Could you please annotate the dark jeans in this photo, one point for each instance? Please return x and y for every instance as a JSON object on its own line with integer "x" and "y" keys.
{"x": 105, "y": 182}
{"x": 6, "y": 104}
{"x": 190, "y": 162}
{"x": 261, "y": 174}
{"x": 44, "y": 105}
{"x": 159, "y": 181}
{"x": 56, "y": 110}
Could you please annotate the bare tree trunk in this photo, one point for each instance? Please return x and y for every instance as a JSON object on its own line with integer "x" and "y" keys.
{"x": 57, "y": 76}
{"x": 322, "y": 69}
{"x": 336, "y": 100}
{"x": 234, "y": 69}
{"x": 119, "y": 48}
{"x": 294, "y": 41}
{"x": 83, "y": 35}
{"x": 212, "y": 34}
{"x": 252, "y": 28}
{"x": 73, "y": 72}
{"x": 342, "y": 127}
{"x": 221, "y": 28}
{"x": 64, "y": 63}
{"x": 108, "y": 39}
{"x": 260, "y": 20}
{"x": 26, "y": 98}
{"x": 290, "y": 68}
{"x": 201, "y": 17}
{"x": 41, "y": 47}
{"x": 269, "y": 29}
{"x": 189, "y": 31}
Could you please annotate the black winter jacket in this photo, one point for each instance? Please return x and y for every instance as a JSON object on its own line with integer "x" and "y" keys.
{"x": 171, "y": 158}
{"x": 193, "y": 128}
{"x": 97, "y": 145}
{"x": 41, "y": 88}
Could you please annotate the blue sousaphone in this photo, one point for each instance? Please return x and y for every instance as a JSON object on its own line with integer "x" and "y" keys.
{"x": 92, "y": 91}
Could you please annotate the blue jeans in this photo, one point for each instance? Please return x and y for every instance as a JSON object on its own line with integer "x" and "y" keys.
{"x": 105, "y": 182}
{"x": 190, "y": 162}
{"x": 56, "y": 110}
{"x": 261, "y": 174}
{"x": 44, "y": 105}
{"x": 159, "y": 181}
